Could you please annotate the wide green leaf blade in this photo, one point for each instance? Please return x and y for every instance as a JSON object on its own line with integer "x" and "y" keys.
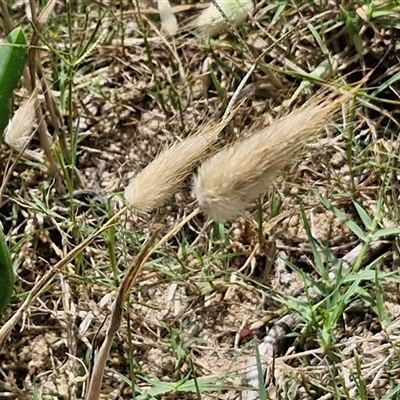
{"x": 13, "y": 54}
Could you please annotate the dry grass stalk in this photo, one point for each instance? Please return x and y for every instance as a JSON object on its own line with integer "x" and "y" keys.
{"x": 7, "y": 21}
{"x": 20, "y": 127}
{"x": 227, "y": 183}
{"x": 217, "y": 16}
{"x": 162, "y": 177}
{"x": 96, "y": 379}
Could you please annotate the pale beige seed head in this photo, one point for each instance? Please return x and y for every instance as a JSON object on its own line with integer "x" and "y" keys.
{"x": 227, "y": 183}
{"x": 211, "y": 21}
{"x": 20, "y": 127}
{"x": 169, "y": 24}
{"x": 162, "y": 177}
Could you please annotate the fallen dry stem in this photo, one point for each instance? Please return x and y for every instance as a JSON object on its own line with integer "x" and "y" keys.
{"x": 33, "y": 61}
{"x": 46, "y": 145}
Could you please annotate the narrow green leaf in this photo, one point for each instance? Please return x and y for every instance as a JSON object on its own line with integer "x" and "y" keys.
{"x": 261, "y": 383}
{"x": 380, "y": 302}
{"x": 365, "y": 218}
{"x": 6, "y": 274}
{"x": 315, "y": 248}
{"x": 343, "y": 217}
{"x": 391, "y": 394}
{"x": 13, "y": 54}
{"x": 217, "y": 84}
{"x": 391, "y": 81}
{"x": 369, "y": 275}
{"x": 386, "y": 232}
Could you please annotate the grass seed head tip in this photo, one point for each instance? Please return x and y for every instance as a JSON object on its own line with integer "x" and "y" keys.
{"x": 169, "y": 24}
{"x": 20, "y": 127}
{"x": 211, "y": 21}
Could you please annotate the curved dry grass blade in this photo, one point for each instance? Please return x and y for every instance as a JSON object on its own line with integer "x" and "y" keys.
{"x": 96, "y": 379}
{"x": 130, "y": 277}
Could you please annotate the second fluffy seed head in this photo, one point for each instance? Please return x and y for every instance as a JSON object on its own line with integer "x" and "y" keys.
{"x": 227, "y": 183}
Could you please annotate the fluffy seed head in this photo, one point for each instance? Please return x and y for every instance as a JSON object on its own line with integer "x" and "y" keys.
{"x": 19, "y": 128}
{"x": 211, "y": 21}
{"x": 227, "y": 183}
{"x": 169, "y": 23}
{"x": 162, "y": 177}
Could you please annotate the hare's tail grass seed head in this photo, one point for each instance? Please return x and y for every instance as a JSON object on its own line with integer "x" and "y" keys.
{"x": 213, "y": 19}
{"x": 162, "y": 177}
{"x": 227, "y": 183}
{"x": 169, "y": 24}
{"x": 20, "y": 127}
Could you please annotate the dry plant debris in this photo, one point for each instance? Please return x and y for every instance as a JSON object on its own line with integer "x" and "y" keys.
{"x": 121, "y": 91}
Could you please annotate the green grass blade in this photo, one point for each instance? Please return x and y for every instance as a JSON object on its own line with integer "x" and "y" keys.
{"x": 390, "y": 395}
{"x": 319, "y": 264}
{"x": 365, "y": 218}
{"x": 13, "y": 54}
{"x": 358, "y": 231}
{"x": 260, "y": 374}
{"x": 6, "y": 274}
{"x": 386, "y": 232}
